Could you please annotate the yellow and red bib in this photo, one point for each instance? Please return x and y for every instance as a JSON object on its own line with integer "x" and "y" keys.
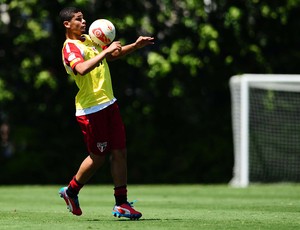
{"x": 95, "y": 88}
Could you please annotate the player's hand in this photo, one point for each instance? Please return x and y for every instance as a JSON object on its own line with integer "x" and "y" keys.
{"x": 143, "y": 41}
{"x": 115, "y": 46}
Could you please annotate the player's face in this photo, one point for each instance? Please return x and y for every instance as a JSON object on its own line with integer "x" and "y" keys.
{"x": 78, "y": 24}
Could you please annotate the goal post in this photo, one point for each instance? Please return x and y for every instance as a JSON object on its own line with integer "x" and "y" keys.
{"x": 266, "y": 128}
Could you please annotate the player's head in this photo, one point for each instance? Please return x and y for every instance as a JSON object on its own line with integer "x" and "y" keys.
{"x": 73, "y": 21}
{"x": 68, "y": 13}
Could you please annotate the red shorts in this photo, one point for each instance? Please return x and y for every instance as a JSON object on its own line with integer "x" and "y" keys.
{"x": 103, "y": 131}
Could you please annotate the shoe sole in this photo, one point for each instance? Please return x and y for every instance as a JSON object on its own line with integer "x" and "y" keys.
{"x": 131, "y": 217}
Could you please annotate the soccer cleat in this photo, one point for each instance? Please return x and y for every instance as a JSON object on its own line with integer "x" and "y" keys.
{"x": 126, "y": 210}
{"x": 72, "y": 203}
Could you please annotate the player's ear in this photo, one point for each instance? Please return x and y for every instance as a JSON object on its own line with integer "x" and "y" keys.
{"x": 66, "y": 24}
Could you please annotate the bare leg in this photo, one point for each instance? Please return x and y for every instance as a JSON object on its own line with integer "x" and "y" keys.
{"x": 88, "y": 167}
{"x": 119, "y": 167}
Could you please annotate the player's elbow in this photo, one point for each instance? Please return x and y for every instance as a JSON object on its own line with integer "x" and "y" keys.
{"x": 81, "y": 69}
{"x": 84, "y": 72}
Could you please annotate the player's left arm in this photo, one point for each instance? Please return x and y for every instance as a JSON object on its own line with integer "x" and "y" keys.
{"x": 141, "y": 42}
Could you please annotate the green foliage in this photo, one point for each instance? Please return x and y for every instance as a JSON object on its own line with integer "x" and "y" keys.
{"x": 5, "y": 94}
{"x": 174, "y": 95}
{"x": 159, "y": 65}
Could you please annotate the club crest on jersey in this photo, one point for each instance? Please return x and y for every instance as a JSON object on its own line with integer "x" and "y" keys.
{"x": 101, "y": 146}
{"x": 71, "y": 56}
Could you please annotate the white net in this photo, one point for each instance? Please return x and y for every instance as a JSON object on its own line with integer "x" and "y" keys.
{"x": 272, "y": 128}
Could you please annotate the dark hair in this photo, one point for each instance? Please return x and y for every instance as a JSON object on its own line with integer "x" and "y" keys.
{"x": 67, "y": 13}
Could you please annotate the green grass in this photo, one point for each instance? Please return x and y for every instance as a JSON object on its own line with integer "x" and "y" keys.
{"x": 275, "y": 206}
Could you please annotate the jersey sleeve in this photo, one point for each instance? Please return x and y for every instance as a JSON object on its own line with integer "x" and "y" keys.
{"x": 72, "y": 55}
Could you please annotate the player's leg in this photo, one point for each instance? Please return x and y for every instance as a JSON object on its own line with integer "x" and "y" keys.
{"x": 119, "y": 174}
{"x": 118, "y": 159}
{"x": 89, "y": 127}
{"x": 122, "y": 207}
{"x": 86, "y": 170}
{"x": 89, "y": 167}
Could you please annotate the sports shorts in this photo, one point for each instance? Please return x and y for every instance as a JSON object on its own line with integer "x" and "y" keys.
{"x": 103, "y": 131}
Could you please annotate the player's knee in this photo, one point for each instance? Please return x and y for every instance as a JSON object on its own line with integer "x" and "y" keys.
{"x": 98, "y": 160}
{"x": 118, "y": 155}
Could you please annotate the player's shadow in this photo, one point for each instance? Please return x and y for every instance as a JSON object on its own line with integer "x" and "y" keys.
{"x": 153, "y": 219}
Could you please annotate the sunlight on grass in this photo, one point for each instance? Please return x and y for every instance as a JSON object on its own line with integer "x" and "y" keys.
{"x": 273, "y": 206}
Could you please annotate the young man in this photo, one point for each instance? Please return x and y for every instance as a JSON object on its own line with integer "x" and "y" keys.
{"x": 96, "y": 110}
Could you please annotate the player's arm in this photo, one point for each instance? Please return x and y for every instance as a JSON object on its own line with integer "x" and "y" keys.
{"x": 84, "y": 67}
{"x": 127, "y": 49}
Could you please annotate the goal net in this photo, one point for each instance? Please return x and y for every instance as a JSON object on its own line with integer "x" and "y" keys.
{"x": 266, "y": 128}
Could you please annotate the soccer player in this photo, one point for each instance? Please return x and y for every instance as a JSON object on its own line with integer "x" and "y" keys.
{"x": 97, "y": 111}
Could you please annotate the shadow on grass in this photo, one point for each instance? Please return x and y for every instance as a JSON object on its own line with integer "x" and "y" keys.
{"x": 153, "y": 219}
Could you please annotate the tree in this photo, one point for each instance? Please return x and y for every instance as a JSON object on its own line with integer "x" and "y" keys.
{"x": 174, "y": 96}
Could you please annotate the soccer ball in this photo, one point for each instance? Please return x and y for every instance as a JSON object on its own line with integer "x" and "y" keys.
{"x": 102, "y": 32}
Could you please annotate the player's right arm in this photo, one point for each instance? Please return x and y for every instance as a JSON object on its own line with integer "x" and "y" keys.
{"x": 75, "y": 60}
{"x": 88, "y": 65}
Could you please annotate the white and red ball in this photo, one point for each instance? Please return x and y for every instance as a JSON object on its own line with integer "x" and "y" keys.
{"x": 102, "y": 32}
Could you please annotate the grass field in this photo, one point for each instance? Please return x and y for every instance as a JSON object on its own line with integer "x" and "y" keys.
{"x": 275, "y": 206}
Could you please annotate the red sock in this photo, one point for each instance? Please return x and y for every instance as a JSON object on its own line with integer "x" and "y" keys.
{"x": 120, "y": 195}
{"x": 74, "y": 187}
